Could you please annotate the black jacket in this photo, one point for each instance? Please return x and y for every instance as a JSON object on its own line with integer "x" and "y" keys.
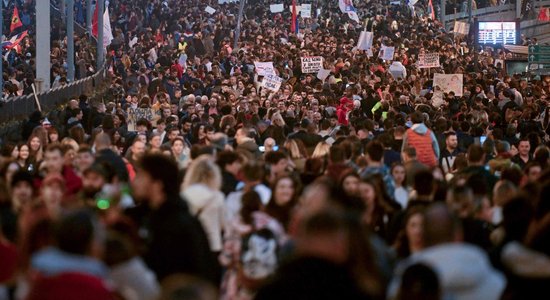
{"x": 177, "y": 243}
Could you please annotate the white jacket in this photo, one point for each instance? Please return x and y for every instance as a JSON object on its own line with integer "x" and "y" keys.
{"x": 208, "y": 206}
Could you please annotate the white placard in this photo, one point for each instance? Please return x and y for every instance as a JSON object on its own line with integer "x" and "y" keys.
{"x": 312, "y": 64}
{"x": 386, "y": 53}
{"x": 272, "y": 82}
{"x": 428, "y": 60}
{"x": 365, "y": 40}
{"x": 323, "y": 74}
{"x": 264, "y": 68}
{"x": 305, "y": 11}
{"x": 276, "y": 8}
{"x": 461, "y": 28}
{"x": 449, "y": 82}
{"x": 210, "y": 10}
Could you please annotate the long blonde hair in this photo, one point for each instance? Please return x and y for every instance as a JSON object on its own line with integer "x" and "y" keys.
{"x": 205, "y": 171}
{"x": 321, "y": 150}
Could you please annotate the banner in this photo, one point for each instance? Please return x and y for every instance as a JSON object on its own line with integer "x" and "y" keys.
{"x": 264, "y": 68}
{"x": 272, "y": 82}
{"x": 276, "y": 8}
{"x": 449, "y": 83}
{"x": 312, "y": 64}
{"x": 428, "y": 60}
{"x": 365, "y": 40}
{"x": 386, "y": 53}
{"x": 346, "y": 6}
{"x": 461, "y": 28}
{"x": 305, "y": 11}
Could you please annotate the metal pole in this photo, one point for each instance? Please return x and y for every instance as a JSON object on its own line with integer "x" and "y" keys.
{"x": 70, "y": 40}
{"x": 100, "y": 50}
{"x": 238, "y": 29}
{"x": 443, "y": 2}
{"x": 470, "y": 12}
{"x": 62, "y": 8}
{"x": 89, "y": 16}
{"x": 43, "y": 44}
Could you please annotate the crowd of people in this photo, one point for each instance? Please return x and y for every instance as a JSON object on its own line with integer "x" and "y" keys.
{"x": 19, "y": 61}
{"x": 189, "y": 180}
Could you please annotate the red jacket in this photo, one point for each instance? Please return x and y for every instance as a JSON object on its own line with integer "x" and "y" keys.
{"x": 69, "y": 286}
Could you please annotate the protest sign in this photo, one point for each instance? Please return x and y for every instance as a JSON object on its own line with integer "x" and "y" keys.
{"x": 449, "y": 82}
{"x": 365, "y": 40}
{"x": 276, "y": 8}
{"x": 461, "y": 28}
{"x": 312, "y": 64}
{"x": 136, "y": 114}
{"x": 305, "y": 11}
{"x": 428, "y": 60}
{"x": 264, "y": 68}
{"x": 323, "y": 74}
{"x": 386, "y": 53}
{"x": 210, "y": 10}
{"x": 272, "y": 82}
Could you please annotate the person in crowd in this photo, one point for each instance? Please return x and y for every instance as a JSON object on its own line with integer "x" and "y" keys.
{"x": 423, "y": 140}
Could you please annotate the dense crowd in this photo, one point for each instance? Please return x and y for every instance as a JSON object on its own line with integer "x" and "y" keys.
{"x": 19, "y": 61}
{"x": 189, "y": 180}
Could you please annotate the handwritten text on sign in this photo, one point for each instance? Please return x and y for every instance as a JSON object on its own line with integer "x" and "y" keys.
{"x": 428, "y": 60}
{"x": 312, "y": 64}
{"x": 272, "y": 82}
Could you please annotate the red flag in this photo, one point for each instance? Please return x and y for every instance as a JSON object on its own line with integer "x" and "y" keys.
{"x": 544, "y": 14}
{"x": 294, "y": 17}
{"x": 431, "y": 10}
{"x": 15, "y": 21}
{"x": 94, "y": 21}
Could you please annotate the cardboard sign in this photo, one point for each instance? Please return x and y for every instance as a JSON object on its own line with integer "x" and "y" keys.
{"x": 135, "y": 114}
{"x": 323, "y": 74}
{"x": 276, "y": 8}
{"x": 264, "y": 68}
{"x": 305, "y": 11}
{"x": 428, "y": 60}
{"x": 210, "y": 10}
{"x": 365, "y": 40}
{"x": 386, "y": 53}
{"x": 449, "y": 82}
{"x": 272, "y": 82}
{"x": 312, "y": 64}
{"x": 461, "y": 28}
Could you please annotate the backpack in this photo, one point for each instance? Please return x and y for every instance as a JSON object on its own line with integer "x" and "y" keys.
{"x": 259, "y": 256}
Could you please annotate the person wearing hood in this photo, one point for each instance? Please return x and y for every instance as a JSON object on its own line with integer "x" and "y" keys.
{"x": 420, "y": 137}
{"x": 397, "y": 70}
{"x": 346, "y": 105}
{"x": 201, "y": 189}
{"x": 463, "y": 270}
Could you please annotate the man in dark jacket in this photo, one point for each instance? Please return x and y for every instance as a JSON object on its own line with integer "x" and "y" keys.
{"x": 176, "y": 240}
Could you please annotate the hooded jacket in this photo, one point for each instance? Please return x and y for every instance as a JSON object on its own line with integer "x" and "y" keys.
{"x": 208, "y": 206}
{"x": 422, "y": 151}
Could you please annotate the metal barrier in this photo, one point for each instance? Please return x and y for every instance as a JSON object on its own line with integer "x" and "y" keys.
{"x": 19, "y": 108}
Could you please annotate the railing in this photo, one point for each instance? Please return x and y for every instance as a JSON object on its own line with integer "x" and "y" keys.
{"x": 19, "y": 108}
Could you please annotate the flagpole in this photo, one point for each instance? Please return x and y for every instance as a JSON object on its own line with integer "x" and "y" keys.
{"x": 89, "y": 14}
{"x": 70, "y": 40}
{"x": 100, "y": 56}
{"x": 238, "y": 28}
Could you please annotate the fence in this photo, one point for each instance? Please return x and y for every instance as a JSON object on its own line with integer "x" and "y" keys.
{"x": 18, "y": 108}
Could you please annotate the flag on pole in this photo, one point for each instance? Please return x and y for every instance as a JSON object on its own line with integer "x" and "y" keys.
{"x": 431, "y": 11}
{"x": 544, "y": 14}
{"x": 14, "y": 41}
{"x": 294, "y": 27}
{"x": 94, "y": 21}
{"x": 107, "y": 30}
{"x": 15, "y": 20}
{"x": 346, "y": 6}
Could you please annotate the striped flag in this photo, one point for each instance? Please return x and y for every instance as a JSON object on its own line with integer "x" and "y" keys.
{"x": 431, "y": 11}
{"x": 294, "y": 26}
{"x": 15, "y": 40}
{"x": 15, "y": 20}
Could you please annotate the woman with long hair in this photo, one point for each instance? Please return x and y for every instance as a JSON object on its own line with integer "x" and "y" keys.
{"x": 284, "y": 198}
{"x": 297, "y": 152}
{"x": 409, "y": 238}
{"x": 24, "y": 159}
{"x": 377, "y": 211}
{"x": 181, "y": 152}
{"x": 201, "y": 190}
{"x": 36, "y": 148}
{"x": 401, "y": 194}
